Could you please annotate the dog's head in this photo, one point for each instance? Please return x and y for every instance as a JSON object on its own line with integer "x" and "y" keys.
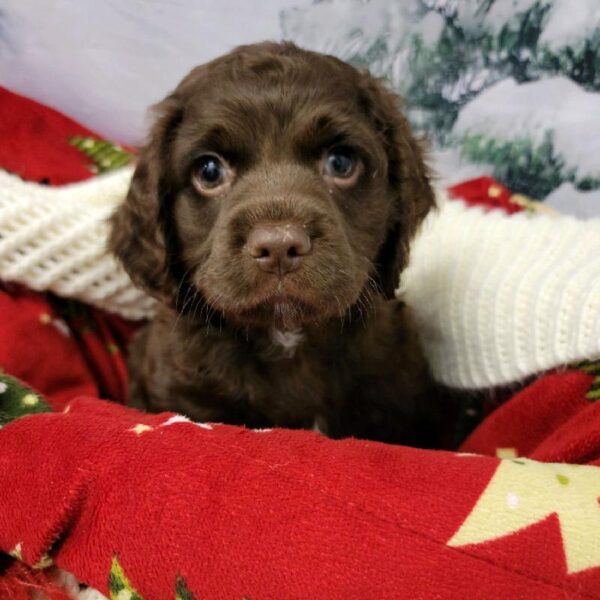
{"x": 278, "y": 186}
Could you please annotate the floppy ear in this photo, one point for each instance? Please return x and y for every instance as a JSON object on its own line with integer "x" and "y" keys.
{"x": 140, "y": 234}
{"x": 409, "y": 180}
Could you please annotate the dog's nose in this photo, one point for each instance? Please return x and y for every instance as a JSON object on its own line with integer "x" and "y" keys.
{"x": 278, "y": 248}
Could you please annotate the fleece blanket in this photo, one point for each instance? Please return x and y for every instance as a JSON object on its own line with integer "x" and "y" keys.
{"x": 155, "y": 506}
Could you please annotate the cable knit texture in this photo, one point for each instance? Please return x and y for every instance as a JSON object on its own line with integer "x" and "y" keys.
{"x": 500, "y": 297}
{"x": 54, "y": 239}
{"x": 497, "y": 297}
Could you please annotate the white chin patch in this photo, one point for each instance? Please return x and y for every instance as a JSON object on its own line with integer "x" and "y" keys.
{"x": 288, "y": 341}
{"x": 319, "y": 426}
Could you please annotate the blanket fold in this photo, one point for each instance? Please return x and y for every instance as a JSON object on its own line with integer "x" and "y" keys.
{"x": 231, "y": 513}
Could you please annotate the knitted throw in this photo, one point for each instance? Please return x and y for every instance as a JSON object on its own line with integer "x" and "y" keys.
{"x": 501, "y": 297}
{"x": 54, "y": 239}
{"x": 497, "y": 297}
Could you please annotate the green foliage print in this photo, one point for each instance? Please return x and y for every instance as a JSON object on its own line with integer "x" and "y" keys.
{"x": 18, "y": 400}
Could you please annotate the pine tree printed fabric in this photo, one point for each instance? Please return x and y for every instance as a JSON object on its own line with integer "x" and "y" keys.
{"x": 593, "y": 368}
{"x": 121, "y": 588}
{"x": 513, "y": 528}
{"x": 119, "y": 585}
{"x": 17, "y": 400}
{"x": 105, "y": 155}
{"x": 507, "y": 88}
{"x": 182, "y": 591}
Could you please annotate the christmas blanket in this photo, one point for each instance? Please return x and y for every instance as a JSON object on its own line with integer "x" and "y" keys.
{"x": 154, "y": 506}
{"x": 131, "y": 505}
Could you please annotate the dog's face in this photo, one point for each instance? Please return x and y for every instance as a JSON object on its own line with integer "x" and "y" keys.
{"x": 278, "y": 187}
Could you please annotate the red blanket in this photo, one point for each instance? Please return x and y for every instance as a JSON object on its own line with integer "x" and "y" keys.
{"x": 153, "y": 506}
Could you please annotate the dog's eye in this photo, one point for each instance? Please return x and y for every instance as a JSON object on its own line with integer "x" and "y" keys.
{"x": 341, "y": 166}
{"x": 210, "y": 175}
{"x": 211, "y": 171}
{"x": 340, "y": 162}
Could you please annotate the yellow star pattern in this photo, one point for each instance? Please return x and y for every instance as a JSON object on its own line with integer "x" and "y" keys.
{"x": 16, "y": 552}
{"x": 44, "y": 562}
{"x": 30, "y": 400}
{"x": 506, "y": 453}
{"x": 523, "y": 492}
{"x": 141, "y": 428}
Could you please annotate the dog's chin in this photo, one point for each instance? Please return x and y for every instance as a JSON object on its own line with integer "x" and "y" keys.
{"x": 281, "y": 312}
{"x": 287, "y": 305}
{"x": 284, "y": 311}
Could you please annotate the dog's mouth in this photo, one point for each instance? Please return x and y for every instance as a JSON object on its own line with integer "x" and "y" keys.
{"x": 282, "y": 311}
{"x": 285, "y": 302}
{"x": 284, "y": 306}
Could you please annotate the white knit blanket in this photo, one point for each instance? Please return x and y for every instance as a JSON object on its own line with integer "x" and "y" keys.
{"x": 497, "y": 297}
{"x": 500, "y": 297}
{"x": 54, "y": 239}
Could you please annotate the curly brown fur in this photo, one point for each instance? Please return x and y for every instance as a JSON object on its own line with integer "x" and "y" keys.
{"x": 221, "y": 347}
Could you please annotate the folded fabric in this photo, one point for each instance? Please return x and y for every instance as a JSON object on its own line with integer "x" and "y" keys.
{"x": 61, "y": 348}
{"x": 500, "y": 297}
{"x": 151, "y": 506}
{"x": 35, "y": 142}
{"x": 54, "y": 239}
{"x": 555, "y": 418}
{"x": 43, "y": 145}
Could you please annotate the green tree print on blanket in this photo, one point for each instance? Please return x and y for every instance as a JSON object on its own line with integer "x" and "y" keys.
{"x": 120, "y": 587}
{"x": 592, "y": 368}
{"x": 118, "y": 584}
{"x": 18, "y": 400}
{"x": 105, "y": 155}
{"x": 181, "y": 590}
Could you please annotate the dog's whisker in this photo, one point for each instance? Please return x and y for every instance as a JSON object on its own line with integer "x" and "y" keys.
{"x": 341, "y": 312}
{"x": 373, "y": 290}
{"x": 185, "y": 299}
{"x": 211, "y": 310}
{"x": 196, "y": 302}
{"x": 180, "y": 286}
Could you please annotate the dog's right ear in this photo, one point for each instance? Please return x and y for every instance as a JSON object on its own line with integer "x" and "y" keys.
{"x": 140, "y": 226}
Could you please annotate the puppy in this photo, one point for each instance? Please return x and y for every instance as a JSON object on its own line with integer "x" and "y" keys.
{"x": 270, "y": 213}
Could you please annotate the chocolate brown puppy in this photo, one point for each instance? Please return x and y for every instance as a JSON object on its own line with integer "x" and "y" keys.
{"x": 270, "y": 213}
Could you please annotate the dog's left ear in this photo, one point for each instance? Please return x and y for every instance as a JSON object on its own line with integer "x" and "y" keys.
{"x": 409, "y": 180}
